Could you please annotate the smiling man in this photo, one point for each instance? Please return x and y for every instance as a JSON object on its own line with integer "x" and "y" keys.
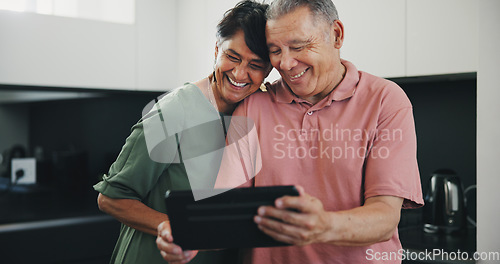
{"x": 352, "y": 187}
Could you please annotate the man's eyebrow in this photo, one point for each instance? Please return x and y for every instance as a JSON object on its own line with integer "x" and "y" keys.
{"x": 299, "y": 42}
{"x": 292, "y": 42}
{"x": 259, "y": 60}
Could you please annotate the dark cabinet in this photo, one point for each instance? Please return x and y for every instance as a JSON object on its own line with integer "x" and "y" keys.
{"x": 80, "y": 240}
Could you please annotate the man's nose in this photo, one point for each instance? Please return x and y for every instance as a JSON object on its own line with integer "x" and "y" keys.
{"x": 287, "y": 61}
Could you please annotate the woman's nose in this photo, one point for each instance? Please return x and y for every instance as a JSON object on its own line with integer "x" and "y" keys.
{"x": 240, "y": 72}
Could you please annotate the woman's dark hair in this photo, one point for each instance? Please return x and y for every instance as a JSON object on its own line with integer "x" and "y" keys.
{"x": 250, "y": 17}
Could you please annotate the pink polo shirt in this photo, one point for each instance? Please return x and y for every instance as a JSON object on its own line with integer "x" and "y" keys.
{"x": 356, "y": 143}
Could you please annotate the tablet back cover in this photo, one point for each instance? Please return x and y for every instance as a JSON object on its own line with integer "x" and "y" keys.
{"x": 224, "y": 220}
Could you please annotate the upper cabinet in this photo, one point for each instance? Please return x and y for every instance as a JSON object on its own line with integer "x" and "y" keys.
{"x": 442, "y": 36}
{"x": 394, "y": 38}
{"x": 56, "y": 51}
{"x": 45, "y": 50}
{"x": 156, "y": 50}
{"x": 171, "y": 42}
{"x": 374, "y": 35}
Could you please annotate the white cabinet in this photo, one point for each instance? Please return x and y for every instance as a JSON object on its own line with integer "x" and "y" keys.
{"x": 442, "y": 36}
{"x": 44, "y": 50}
{"x": 57, "y": 51}
{"x": 156, "y": 50}
{"x": 173, "y": 42}
{"x": 374, "y": 35}
{"x": 394, "y": 38}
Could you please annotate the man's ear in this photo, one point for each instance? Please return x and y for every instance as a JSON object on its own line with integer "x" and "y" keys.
{"x": 337, "y": 31}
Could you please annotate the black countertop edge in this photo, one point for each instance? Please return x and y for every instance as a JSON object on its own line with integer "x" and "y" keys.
{"x": 14, "y": 227}
{"x": 435, "y": 78}
{"x": 97, "y": 91}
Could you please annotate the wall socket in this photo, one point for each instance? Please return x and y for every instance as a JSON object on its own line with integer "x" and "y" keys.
{"x": 24, "y": 169}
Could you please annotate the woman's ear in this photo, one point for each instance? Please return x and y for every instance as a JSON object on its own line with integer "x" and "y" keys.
{"x": 269, "y": 69}
{"x": 216, "y": 49}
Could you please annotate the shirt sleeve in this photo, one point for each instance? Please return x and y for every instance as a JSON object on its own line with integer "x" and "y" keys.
{"x": 391, "y": 164}
{"x": 151, "y": 147}
{"x": 134, "y": 173}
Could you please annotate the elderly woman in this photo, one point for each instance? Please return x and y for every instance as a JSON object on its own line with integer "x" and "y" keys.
{"x": 164, "y": 149}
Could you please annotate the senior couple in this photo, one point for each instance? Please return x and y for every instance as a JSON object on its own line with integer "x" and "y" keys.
{"x": 347, "y": 207}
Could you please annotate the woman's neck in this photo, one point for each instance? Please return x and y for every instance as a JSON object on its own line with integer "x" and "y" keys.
{"x": 209, "y": 89}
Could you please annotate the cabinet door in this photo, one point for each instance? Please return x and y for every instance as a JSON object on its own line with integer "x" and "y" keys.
{"x": 374, "y": 35}
{"x": 55, "y": 51}
{"x": 442, "y": 36}
{"x": 156, "y": 37}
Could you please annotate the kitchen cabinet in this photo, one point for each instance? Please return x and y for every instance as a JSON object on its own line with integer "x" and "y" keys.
{"x": 374, "y": 35}
{"x": 488, "y": 142}
{"x": 442, "y": 36}
{"x": 173, "y": 42}
{"x": 77, "y": 240}
{"x": 43, "y": 50}
{"x": 156, "y": 38}
{"x": 392, "y": 38}
{"x": 53, "y": 51}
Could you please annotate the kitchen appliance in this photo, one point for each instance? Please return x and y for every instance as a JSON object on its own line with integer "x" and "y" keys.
{"x": 16, "y": 151}
{"x": 444, "y": 209}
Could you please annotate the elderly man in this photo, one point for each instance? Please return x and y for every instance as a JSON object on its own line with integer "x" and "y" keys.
{"x": 345, "y": 137}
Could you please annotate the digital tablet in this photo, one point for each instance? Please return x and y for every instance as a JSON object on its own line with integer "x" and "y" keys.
{"x": 222, "y": 221}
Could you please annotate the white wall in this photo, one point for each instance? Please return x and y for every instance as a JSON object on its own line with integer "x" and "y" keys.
{"x": 488, "y": 129}
{"x": 196, "y": 37}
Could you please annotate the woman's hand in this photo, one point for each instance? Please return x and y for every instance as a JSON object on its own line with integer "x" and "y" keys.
{"x": 171, "y": 252}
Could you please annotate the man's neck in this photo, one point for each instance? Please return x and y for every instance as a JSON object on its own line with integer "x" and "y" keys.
{"x": 338, "y": 77}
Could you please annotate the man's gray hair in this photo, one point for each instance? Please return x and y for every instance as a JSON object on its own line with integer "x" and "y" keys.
{"x": 323, "y": 9}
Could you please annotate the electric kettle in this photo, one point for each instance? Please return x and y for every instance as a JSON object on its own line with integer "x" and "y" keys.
{"x": 444, "y": 209}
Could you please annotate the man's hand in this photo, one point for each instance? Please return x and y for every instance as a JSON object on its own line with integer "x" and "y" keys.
{"x": 298, "y": 220}
{"x": 302, "y": 220}
{"x": 171, "y": 252}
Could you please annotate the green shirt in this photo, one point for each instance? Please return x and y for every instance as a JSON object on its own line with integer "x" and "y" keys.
{"x": 173, "y": 136}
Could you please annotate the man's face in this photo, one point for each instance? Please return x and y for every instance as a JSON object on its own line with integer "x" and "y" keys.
{"x": 305, "y": 53}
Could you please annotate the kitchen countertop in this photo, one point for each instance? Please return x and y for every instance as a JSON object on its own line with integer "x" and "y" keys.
{"x": 54, "y": 225}
{"x": 26, "y": 203}
{"x": 415, "y": 238}
{"x": 422, "y": 247}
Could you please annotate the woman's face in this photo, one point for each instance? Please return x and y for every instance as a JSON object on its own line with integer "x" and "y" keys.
{"x": 239, "y": 72}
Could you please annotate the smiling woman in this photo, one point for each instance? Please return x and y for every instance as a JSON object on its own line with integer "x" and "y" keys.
{"x": 238, "y": 72}
{"x": 102, "y": 10}
{"x": 176, "y": 144}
